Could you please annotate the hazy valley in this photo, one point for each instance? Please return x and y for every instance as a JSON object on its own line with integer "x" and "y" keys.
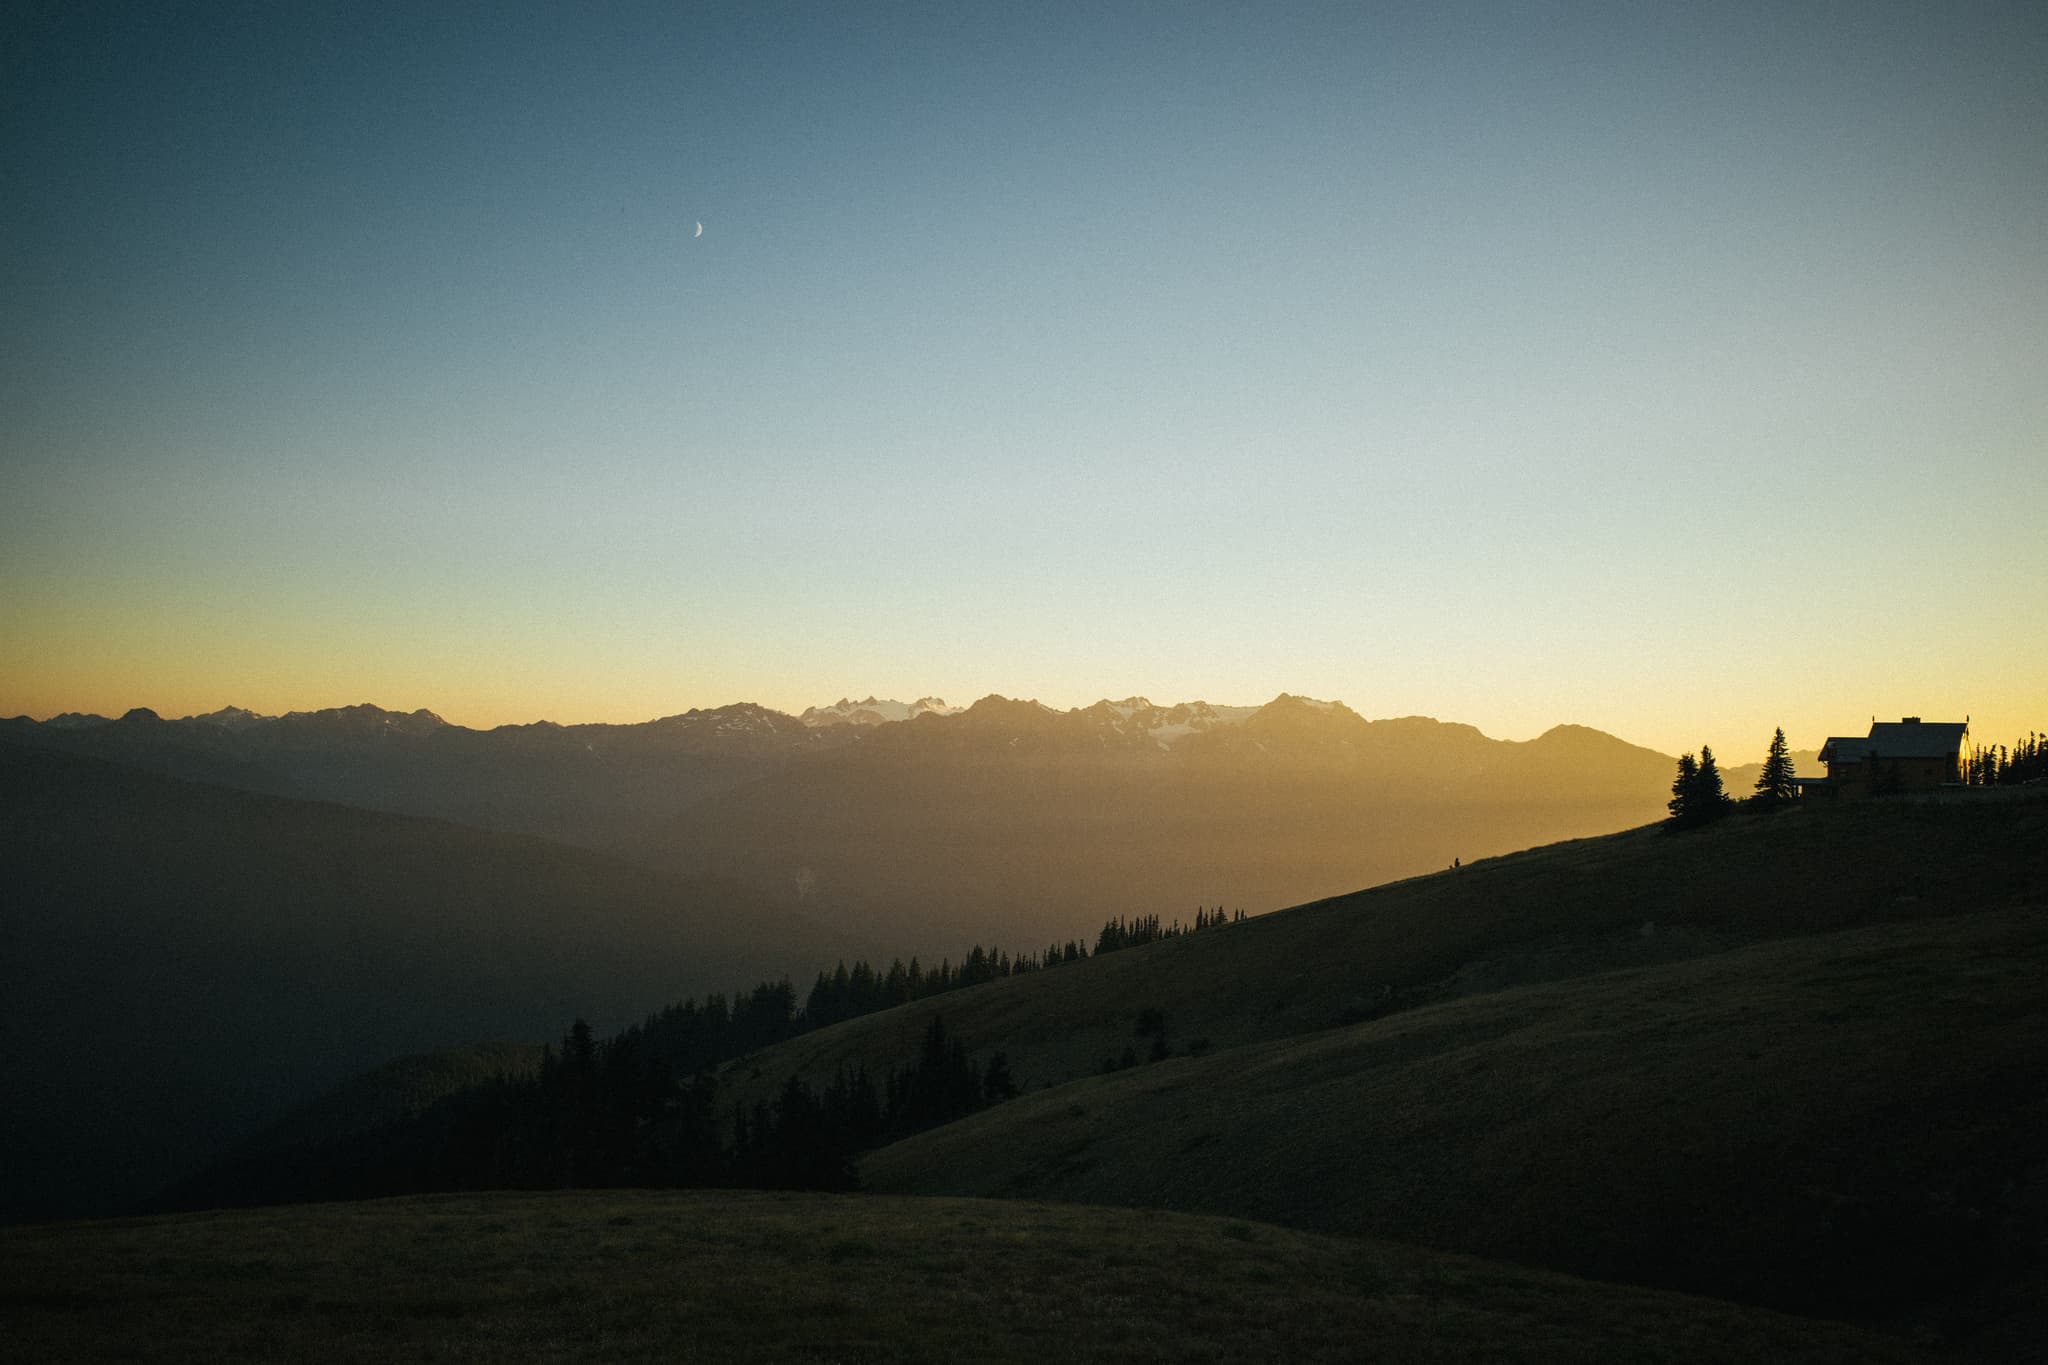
{"x": 1340, "y": 535}
{"x": 1554, "y": 1058}
{"x": 929, "y": 826}
{"x": 192, "y": 959}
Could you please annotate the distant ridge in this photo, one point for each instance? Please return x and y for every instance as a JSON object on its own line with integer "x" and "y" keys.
{"x": 1165, "y": 723}
{"x": 925, "y": 821}
{"x": 361, "y": 716}
{"x": 873, "y": 711}
{"x": 1013, "y": 818}
{"x": 583, "y": 784}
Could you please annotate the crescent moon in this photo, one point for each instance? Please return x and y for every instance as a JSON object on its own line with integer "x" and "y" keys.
{"x": 699, "y": 232}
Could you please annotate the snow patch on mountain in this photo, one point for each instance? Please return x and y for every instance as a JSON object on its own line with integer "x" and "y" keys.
{"x": 874, "y": 711}
{"x": 228, "y": 718}
{"x": 364, "y": 718}
{"x": 76, "y": 720}
{"x": 1165, "y": 725}
{"x": 738, "y": 718}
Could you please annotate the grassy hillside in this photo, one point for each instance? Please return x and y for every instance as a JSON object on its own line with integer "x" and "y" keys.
{"x": 724, "y": 1277}
{"x": 1844, "y": 1123}
{"x": 184, "y": 961}
{"x": 1631, "y": 899}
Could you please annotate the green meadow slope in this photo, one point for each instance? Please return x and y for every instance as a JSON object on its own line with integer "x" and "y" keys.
{"x": 1789, "y": 1060}
{"x": 633, "y": 1276}
{"x": 1845, "y": 1123}
{"x": 1637, "y": 898}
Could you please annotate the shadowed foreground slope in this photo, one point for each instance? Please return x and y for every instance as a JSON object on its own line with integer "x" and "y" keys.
{"x": 740, "y": 1277}
{"x": 1844, "y": 1123}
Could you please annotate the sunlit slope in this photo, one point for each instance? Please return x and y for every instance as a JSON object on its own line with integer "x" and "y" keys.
{"x": 740, "y": 1277}
{"x": 1846, "y": 1122}
{"x": 184, "y": 961}
{"x": 1629, "y": 899}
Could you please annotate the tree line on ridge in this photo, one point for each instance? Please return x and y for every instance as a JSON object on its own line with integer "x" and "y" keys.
{"x": 642, "y": 1108}
{"x": 1697, "y": 795}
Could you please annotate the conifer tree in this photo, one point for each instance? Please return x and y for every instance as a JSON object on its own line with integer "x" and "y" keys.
{"x": 1682, "y": 787}
{"x": 1774, "y": 784}
{"x": 1709, "y": 801}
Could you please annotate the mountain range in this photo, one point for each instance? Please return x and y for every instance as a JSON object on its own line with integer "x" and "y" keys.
{"x": 1012, "y": 819}
{"x": 1785, "y": 1060}
{"x": 927, "y": 824}
{"x": 580, "y": 784}
{"x": 243, "y": 881}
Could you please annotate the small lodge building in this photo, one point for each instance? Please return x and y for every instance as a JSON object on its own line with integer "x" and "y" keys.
{"x": 1909, "y": 756}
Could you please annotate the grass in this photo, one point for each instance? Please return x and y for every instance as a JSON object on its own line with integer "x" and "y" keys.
{"x": 631, "y": 1276}
{"x": 1638, "y": 898}
{"x": 1843, "y": 1123}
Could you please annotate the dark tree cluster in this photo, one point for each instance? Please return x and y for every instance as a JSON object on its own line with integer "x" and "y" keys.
{"x": 610, "y": 1114}
{"x": 807, "y": 1139}
{"x": 1696, "y": 794}
{"x": 1143, "y": 929}
{"x": 639, "y": 1108}
{"x": 1999, "y": 765}
{"x": 693, "y": 1037}
{"x": 1774, "y": 785}
{"x": 1151, "y": 1024}
{"x": 598, "y": 1113}
{"x": 849, "y": 992}
{"x": 690, "y": 1037}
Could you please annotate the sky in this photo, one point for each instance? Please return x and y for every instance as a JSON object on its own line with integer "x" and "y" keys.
{"x": 1678, "y": 370}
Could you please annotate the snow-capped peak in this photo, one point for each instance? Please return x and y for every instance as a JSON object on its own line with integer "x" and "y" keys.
{"x": 873, "y": 711}
{"x": 229, "y": 718}
{"x": 1326, "y": 707}
{"x": 1165, "y": 725}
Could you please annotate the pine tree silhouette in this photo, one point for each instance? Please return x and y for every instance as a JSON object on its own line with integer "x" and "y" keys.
{"x": 1682, "y": 787}
{"x": 1774, "y": 784}
{"x": 1710, "y": 799}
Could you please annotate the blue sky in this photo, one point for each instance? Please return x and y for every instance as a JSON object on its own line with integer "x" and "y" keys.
{"x": 1660, "y": 368}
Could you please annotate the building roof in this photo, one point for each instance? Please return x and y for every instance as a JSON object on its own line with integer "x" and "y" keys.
{"x": 1908, "y": 738}
{"x": 1845, "y": 749}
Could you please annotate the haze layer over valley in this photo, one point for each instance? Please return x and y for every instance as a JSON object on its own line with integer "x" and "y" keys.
{"x": 260, "y": 903}
{"x": 1012, "y": 820}
{"x": 190, "y": 959}
{"x": 927, "y": 825}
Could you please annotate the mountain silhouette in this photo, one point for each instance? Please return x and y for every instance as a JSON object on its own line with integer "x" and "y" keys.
{"x": 1013, "y": 818}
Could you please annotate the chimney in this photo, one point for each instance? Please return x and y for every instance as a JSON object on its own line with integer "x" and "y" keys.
{"x": 1909, "y": 720}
